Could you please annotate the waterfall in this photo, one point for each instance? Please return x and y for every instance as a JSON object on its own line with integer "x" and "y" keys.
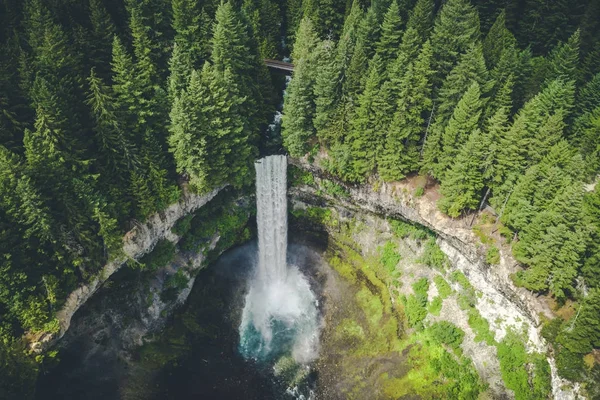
{"x": 280, "y": 312}
{"x": 271, "y": 217}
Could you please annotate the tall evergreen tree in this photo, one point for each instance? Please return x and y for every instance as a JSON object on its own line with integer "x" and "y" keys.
{"x": 497, "y": 41}
{"x": 366, "y": 139}
{"x": 299, "y": 110}
{"x": 327, "y": 85}
{"x": 462, "y": 184}
{"x": 563, "y": 61}
{"x": 391, "y": 34}
{"x": 456, "y": 30}
{"x": 401, "y": 154}
{"x": 465, "y": 119}
{"x": 421, "y": 18}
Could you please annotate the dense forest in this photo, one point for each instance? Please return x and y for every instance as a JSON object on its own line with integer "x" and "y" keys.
{"x": 110, "y": 109}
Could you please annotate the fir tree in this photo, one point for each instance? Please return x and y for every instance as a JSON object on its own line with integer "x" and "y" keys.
{"x": 421, "y": 18}
{"x": 299, "y": 110}
{"x": 327, "y": 85}
{"x": 365, "y": 139}
{"x": 103, "y": 31}
{"x": 465, "y": 119}
{"x": 497, "y": 41}
{"x": 180, "y": 67}
{"x": 462, "y": 184}
{"x": 191, "y": 30}
{"x": 564, "y": 60}
{"x": 401, "y": 154}
{"x": 456, "y": 30}
{"x": 391, "y": 33}
{"x": 306, "y": 41}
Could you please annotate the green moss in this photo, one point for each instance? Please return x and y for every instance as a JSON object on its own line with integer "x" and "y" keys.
{"x": 371, "y": 306}
{"x": 443, "y": 287}
{"x": 435, "y": 373}
{"x": 419, "y": 192}
{"x": 349, "y": 329}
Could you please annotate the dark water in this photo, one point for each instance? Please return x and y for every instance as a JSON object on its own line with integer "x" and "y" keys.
{"x": 201, "y": 345}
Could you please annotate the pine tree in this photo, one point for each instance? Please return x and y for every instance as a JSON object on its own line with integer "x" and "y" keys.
{"x": 552, "y": 245}
{"x": 103, "y": 31}
{"x": 391, "y": 33}
{"x": 299, "y": 110}
{"x": 464, "y": 120}
{"x": 233, "y": 48}
{"x": 497, "y": 41}
{"x": 495, "y": 130}
{"x": 365, "y": 139}
{"x": 306, "y": 41}
{"x": 180, "y": 67}
{"x": 401, "y": 154}
{"x": 563, "y": 61}
{"x": 327, "y": 86}
{"x": 471, "y": 68}
{"x": 456, "y": 30}
{"x": 190, "y": 132}
{"x": 588, "y": 97}
{"x": 462, "y": 184}
{"x": 191, "y": 28}
{"x": 421, "y": 18}
{"x": 116, "y": 153}
{"x": 518, "y": 147}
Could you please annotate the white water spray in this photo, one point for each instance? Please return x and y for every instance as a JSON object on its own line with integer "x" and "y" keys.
{"x": 280, "y": 315}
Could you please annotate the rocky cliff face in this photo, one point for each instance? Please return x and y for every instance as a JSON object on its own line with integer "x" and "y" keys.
{"x": 137, "y": 242}
{"x": 507, "y": 304}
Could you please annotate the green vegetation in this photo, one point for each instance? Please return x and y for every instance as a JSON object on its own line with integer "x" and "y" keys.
{"x": 492, "y": 256}
{"x": 505, "y": 113}
{"x": 389, "y": 256}
{"x": 435, "y": 306}
{"x": 404, "y": 229}
{"x": 160, "y": 256}
{"x": 435, "y": 365}
{"x": 433, "y": 256}
{"x": 443, "y": 287}
{"x": 447, "y": 333}
{"x": 527, "y": 383}
{"x": 415, "y": 305}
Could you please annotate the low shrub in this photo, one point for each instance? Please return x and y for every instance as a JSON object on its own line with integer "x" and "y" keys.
{"x": 160, "y": 256}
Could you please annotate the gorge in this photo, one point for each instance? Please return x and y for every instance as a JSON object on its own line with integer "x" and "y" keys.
{"x": 347, "y": 225}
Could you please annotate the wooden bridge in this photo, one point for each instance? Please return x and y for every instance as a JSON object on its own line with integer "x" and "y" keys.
{"x": 281, "y": 65}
